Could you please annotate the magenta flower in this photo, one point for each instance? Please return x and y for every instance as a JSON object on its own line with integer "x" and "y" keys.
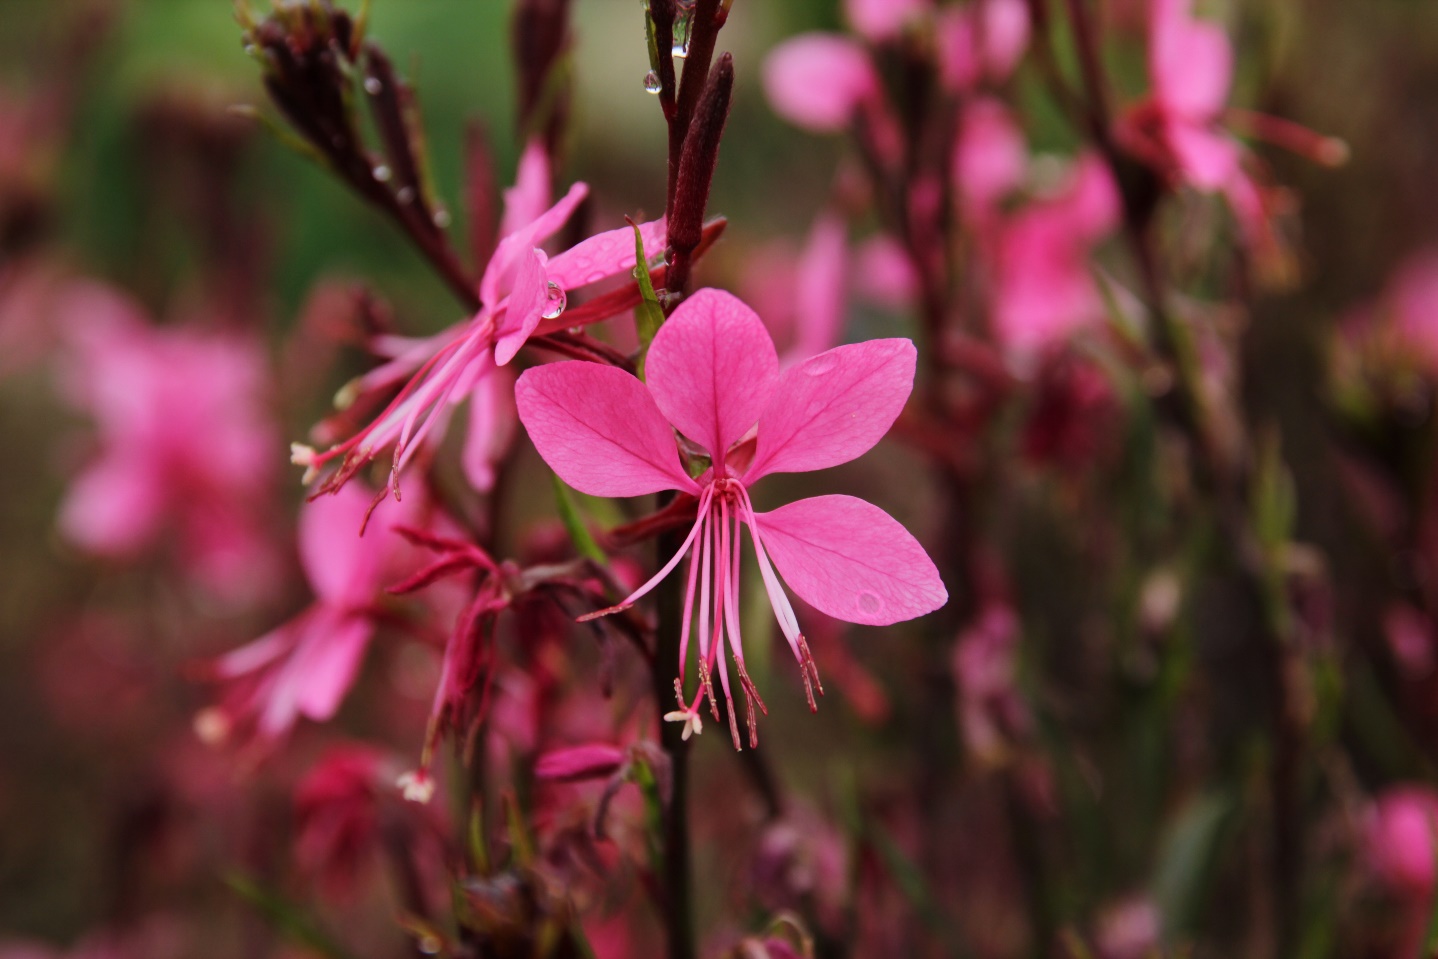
{"x": 818, "y": 81}
{"x": 305, "y": 667}
{"x": 981, "y": 41}
{"x": 713, "y": 375}
{"x": 182, "y": 433}
{"x": 521, "y": 287}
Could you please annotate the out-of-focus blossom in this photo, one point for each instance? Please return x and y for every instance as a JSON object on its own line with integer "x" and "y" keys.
{"x": 884, "y": 274}
{"x": 990, "y": 159}
{"x": 713, "y": 373}
{"x": 1043, "y": 288}
{"x": 337, "y": 817}
{"x": 521, "y": 288}
{"x": 1410, "y": 640}
{"x": 1129, "y": 929}
{"x": 991, "y": 712}
{"x": 804, "y": 301}
{"x": 305, "y": 667}
{"x": 1072, "y": 416}
{"x": 801, "y": 862}
{"x": 818, "y": 81}
{"x": 1400, "y": 840}
{"x": 183, "y": 437}
{"x": 982, "y": 41}
{"x": 881, "y": 20}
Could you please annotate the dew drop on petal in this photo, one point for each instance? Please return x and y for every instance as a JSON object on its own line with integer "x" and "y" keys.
{"x": 372, "y": 86}
{"x": 819, "y": 365}
{"x": 869, "y": 603}
{"x": 651, "y": 82}
{"x": 556, "y": 301}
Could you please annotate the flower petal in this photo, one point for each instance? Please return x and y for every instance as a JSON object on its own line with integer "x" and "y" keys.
{"x": 850, "y": 559}
{"x": 1208, "y": 159}
{"x": 491, "y": 425}
{"x": 343, "y": 568}
{"x": 712, "y": 369}
{"x": 492, "y": 286}
{"x": 833, "y": 407}
{"x": 525, "y": 306}
{"x": 576, "y": 763}
{"x": 526, "y": 201}
{"x": 1191, "y": 62}
{"x": 598, "y": 428}
{"x": 817, "y": 80}
{"x": 605, "y": 254}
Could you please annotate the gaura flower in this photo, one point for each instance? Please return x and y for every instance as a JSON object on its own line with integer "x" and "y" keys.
{"x": 713, "y": 375}
{"x": 521, "y": 287}
{"x": 305, "y": 667}
{"x": 818, "y": 81}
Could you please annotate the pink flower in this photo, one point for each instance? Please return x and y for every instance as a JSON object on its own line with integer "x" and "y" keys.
{"x": 981, "y": 41}
{"x": 713, "y": 375}
{"x": 885, "y": 274}
{"x": 817, "y": 81}
{"x": 578, "y": 763}
{"x": 881, "y": 20}
{"x": 804, "y": 299}
{"x": 1043, "y": 289}
{"x": 183, "y": 436}
{"x": 305, "y": 667}
{"x": 521, "y": 288}
{"x": 1401, "y": 830}
{"x": 990, "y": 159}
{"x": 337, "y": 815}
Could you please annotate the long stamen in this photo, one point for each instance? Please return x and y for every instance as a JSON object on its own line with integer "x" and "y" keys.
{"x": 659, "y": 576}
{"x": 724, "y": 575}
{"x": 687, "y": 624}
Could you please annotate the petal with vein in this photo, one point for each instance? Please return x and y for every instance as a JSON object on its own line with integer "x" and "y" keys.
{"x": 850, "y": 559}
{"x": 712, "y": 369}
{"x": 598, "y": 428}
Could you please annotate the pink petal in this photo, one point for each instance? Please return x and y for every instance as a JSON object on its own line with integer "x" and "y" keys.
{"x": 507, "y": 256}
{"x": 526, "y": 201}
{"x": 821, "y": 279}
{"x": 605, "y": 254}
{"x": 886, "y": 275}
{"x": 881, "y": 20}
{"x": 833, "y": 407}
{"x": 850, "y": 559}
{"x": 983, "y": 40}
{"x": 491, "y": 426}
{"x": 1191, "y": 62}
{"x": 320, "y": 671}
{"x": 1208, "y": 159}
{"x": 989, "y": 158}
{"x": 817, "y": 81}
{"x": 527, "y": 298}
{"x": 598, "y": 428}
{"x": 712, "y": 368}
{"x": 115, "y": 507}
{"x": 589, "y": 761}
{"x": 343, "y": 568}
{"x": 1089, "y": 206}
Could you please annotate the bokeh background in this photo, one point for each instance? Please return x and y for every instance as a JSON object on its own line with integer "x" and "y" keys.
{"x": 123, "y": 160}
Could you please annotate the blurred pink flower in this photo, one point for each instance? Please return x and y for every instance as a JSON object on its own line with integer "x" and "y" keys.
{"x": 803, "y": 300}
{"x": 577, "y": 763}
{"x": 981, "y": 41}
{"x": 1410, "y": 639}
{"x": 306, "y": 666}
{"x": 991, "y": 712}
{"x": 884, "y": 274}
{"x": 1131, "y": 928}
{"x": 184, "y": 441}
{"x": 713, "y": 374}
{"x": 882, "y": 20}
{"x": 336, "y": 815}
{"x": 1400, "y": 840}
{"x": 990, "y": 159}
{"x": 818, "y": 81}
{"x": 1043, "y": 289}
{"x": 521, "y": 287}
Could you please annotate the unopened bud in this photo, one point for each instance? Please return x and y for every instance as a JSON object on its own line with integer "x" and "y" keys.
{"x": 700, "y": 157}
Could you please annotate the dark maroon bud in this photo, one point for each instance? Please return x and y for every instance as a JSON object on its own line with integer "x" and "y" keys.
{"x": 700, "y": 156}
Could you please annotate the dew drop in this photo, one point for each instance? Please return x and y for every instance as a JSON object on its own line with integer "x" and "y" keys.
{"x": 870, "y": 603}
{"x": 556, "y": 302}
{"x": 441, "y": 218}
{"x": 819, "y": 365}
{"x": 651, "y": 82}
{"x": 372, "y": 86}
{"x": 680, "y": 50}
{"x": 405, "y": 195}
{"x": 382, "y": 173}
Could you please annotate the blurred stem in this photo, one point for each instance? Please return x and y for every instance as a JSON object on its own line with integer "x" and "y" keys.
{"x": 1226, "y": 479}
{"x": 676, "y": 879}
